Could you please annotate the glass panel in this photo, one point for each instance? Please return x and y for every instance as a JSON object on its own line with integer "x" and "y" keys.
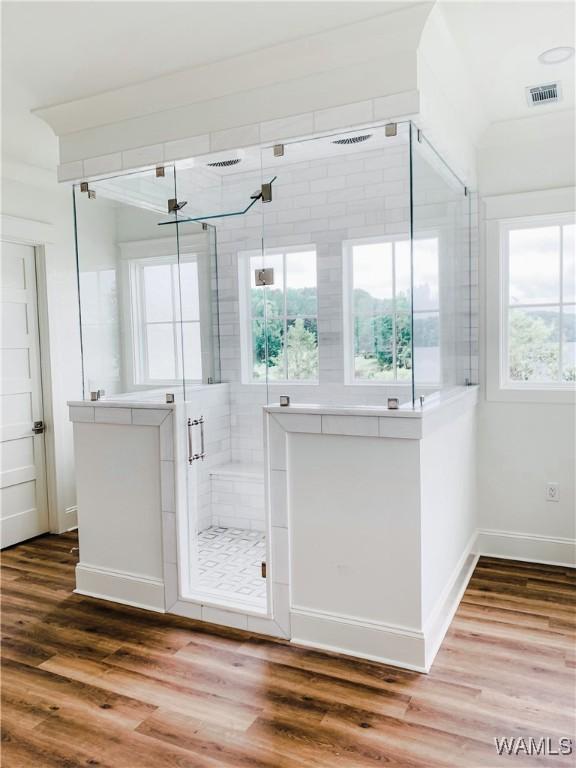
{"x": 195, "y": 277}
{"x": 533, "y": 344}
{"x": 534, "y": 264}
{"x": 301, "y": 298}
{"x": 427, "y": 352}
{"x": 274, "y": 352}
{"x": 127, "y": 287}
{"x": 339, "y": 211}
{"x": 441, "y": 274}
{"x": 403, "y": 346}
{"x": 259, "y": 349}
{"x": 190, "y": 291}
{"x": 426, "y": 275}
{"x": 402, "y": 273}
{"x": 373, "y": 347}
{"x": 373, "y": 276}
{"x": 192, "y": 351}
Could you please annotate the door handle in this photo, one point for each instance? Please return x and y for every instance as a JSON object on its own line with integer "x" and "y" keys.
{"x": 191, "y": 455}
{"x": 38, "y": 428}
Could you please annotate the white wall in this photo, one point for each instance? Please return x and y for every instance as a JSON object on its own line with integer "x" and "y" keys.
{"x": 524, "y": 155}
{"x": 523, "y": 446}
{"x": 30, "y": 191}
{"x": 451, "y": 116}
{"x": 47, "y": 202}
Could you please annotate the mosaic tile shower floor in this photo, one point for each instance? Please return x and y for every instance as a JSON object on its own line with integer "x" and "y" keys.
{"x": 230, "y": 562}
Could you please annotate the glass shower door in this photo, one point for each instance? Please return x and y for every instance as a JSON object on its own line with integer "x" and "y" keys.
{"x": 220, "y": 256}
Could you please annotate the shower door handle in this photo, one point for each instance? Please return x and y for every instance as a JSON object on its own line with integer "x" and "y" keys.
{"x": 191, "y": 455}
{"x": 202, "y": 451}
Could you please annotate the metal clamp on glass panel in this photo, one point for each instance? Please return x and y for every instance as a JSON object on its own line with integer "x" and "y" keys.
{"x": 191, "y": 455}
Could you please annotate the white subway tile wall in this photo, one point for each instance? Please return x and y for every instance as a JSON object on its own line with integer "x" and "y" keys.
{"x": 321, "y": 202}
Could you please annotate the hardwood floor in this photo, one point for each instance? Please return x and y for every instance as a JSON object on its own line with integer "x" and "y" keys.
{"x": 91, "y": 683}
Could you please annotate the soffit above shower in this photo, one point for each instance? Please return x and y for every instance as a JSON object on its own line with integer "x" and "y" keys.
{"x": 359, "y": 63}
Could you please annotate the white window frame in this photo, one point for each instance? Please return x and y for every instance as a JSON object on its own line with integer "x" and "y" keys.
{"x": 503, "y": 214}
{"x": 146, "y": 252}
{"x": 348, "y": 312}
{"x": 245, "y": 281}
{"x": 140, "y": 322}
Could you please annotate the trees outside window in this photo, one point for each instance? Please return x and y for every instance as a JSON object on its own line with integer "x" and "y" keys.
{"x": 282, "y": 318}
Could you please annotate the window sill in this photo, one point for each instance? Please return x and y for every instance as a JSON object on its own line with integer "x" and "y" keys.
{"x": 285, "y": 383}
{"x": 527, "y": 394}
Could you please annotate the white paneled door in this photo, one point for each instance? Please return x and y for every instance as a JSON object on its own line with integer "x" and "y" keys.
{"x": 24, "y": 506}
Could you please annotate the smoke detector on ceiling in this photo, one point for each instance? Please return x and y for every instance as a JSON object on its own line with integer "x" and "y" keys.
{"x": 543, "y": 94}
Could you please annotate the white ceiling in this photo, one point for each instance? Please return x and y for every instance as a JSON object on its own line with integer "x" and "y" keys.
{"x": 501, "y": 41}
{"x": 62, "y": 51}
{"x": 53, "y": 52}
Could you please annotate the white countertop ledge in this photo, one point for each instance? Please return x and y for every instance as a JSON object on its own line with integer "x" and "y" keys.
{"x": 119, "y": 404}
{"x": 433, "y": 404}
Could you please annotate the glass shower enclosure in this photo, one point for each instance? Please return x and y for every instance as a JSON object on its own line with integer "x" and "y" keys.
{"x": 334, "y": 270}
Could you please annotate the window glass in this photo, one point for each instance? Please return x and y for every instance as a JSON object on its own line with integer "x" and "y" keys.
{"x": 372, "y": 278}
{"x": 162, "y": 292}
{"x": 381, "y": 322}
{"x": 160, "y": 351}
{"x": 188, "y": 289}
{"x": 569, "y": 344}
{"x": 534, "y": 265}
{"x": 158, "y": 293}
{"x": 426, "y": 289}
{"x": 540, "y": 333}
{"x": 283, "y": 326}
{"x": 192, "y": 351}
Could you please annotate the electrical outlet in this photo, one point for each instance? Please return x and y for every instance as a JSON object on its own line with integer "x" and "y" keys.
{"x": 553, "y": 492}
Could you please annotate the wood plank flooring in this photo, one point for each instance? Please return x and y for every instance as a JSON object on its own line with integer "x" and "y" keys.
{"x": 91, "y": 683}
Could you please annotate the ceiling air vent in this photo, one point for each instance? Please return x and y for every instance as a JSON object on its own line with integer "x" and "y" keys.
{"x": 543, "y": 94}
{"x": 353, "y": 139}
{"x": 224, "y": 163}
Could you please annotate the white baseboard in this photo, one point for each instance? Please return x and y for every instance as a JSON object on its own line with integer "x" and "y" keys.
{"x": 388, "y": 644}
{"x": 395, "y": 645}
{"x": 120, "y": 587}
{"x": 70, "y": 518}
{"x": 512, "y": 545}
{"x": 441, "y": 617}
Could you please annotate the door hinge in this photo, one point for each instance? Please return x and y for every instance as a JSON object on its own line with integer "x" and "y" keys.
{"x": 391, "y": 129}
{"x": 278, "y": 150}
{"x": 174, "y": 205}
{"x": 160, "y": 172}
{"x": 263, "y": 569}
{"x": 266, "y": 192}
{"x": 264, "y": 276}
